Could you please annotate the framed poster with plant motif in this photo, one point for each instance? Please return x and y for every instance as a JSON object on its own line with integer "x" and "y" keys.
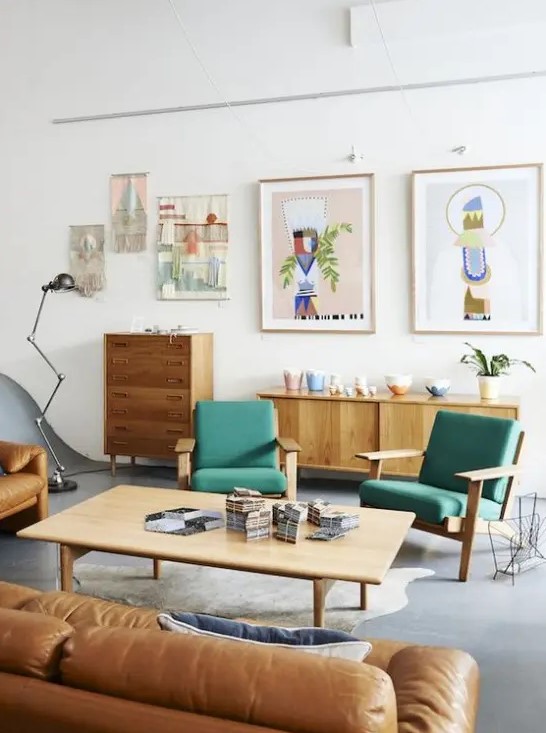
{"x": 317, "y": 247}
{"x": 477, "y": 250}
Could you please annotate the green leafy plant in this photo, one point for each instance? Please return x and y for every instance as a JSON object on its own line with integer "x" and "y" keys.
{"x": 493, "y": 366}
{"x": 325, "y": 256}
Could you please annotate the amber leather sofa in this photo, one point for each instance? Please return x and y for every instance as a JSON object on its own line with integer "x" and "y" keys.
{"x": 72, "y": 663}
{"x": 23, "y": 490}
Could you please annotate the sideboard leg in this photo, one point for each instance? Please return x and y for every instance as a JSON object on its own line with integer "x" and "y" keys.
{"x": 113, "y": 465}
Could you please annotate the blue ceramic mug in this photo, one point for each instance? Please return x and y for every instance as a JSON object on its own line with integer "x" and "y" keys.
{"x": 315, "y": 380}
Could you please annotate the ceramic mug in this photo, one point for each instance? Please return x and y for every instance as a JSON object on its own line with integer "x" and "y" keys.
{"x": 361, "y": 381}
{"x": 293, "y": 379}
{"x": 315, "y": 380}
{"x": 335, "y": 378}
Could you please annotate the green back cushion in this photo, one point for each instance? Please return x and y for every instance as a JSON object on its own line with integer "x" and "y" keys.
{"x": 460, "y": 442}
{"x": 235, "y": 434}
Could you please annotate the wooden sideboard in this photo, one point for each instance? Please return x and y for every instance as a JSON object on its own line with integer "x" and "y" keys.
{"x": 151, "y": 384}
{"x": 331, "y": 429}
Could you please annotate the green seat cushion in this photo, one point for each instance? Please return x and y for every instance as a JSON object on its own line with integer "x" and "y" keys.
{"x": 235, "y": 434}
{"x": 223, "y": 480}
{"x": 428, "y": 503}
{"x": 460, "y": 442}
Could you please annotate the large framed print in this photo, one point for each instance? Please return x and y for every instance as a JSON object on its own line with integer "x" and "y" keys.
{"x": 317, "y": 247}
{"x": 477, "y": 250}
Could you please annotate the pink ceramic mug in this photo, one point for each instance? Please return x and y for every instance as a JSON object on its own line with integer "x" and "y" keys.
{"x": 293, "y": 378}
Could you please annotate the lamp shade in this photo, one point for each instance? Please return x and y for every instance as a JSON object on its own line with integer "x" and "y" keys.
{"x": 61, "y": 283}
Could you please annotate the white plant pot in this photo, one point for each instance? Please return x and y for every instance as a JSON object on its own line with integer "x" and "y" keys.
{"x": 489, "y": 387}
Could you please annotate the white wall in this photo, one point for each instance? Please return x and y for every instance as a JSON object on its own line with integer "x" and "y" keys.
{"x": 64, "y": 58}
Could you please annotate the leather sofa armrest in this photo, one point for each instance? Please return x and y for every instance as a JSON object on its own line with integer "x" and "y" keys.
{"x": 436, "y": 689}
{"x": 16, "y": 456}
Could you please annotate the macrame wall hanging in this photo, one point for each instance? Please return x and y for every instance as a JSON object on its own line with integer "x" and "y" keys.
{"x": 128, "y": 196}
{"x": 87, "y": 258}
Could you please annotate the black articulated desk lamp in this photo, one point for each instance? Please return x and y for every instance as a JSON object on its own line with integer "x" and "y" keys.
{"x": 63, "y": 283}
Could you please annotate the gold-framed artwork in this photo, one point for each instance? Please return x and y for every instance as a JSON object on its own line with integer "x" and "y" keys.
{"x": 317, "y": 254}
{"x": 477, "y": 250}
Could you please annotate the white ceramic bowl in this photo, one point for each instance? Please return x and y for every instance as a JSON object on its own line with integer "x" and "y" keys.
{"x": 437, "y": 387}
{"x": 398, "y": 383}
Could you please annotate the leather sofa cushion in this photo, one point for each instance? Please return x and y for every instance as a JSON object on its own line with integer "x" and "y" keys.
{"x": 82, "y": 611}
{"x": 40, "y": 707}
{"x": 15, "y": 596}
{"x": 31, "y": 645}
{"x": 232, "y": 681}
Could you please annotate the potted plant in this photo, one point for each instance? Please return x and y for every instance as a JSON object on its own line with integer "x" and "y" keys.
{"x": 490, "y": 370}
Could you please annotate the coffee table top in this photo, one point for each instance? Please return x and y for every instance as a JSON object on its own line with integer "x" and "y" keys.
{"x": 113, "y": 521}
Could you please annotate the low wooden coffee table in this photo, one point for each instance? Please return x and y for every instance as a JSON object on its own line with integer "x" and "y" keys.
{"x": 114, "y": 522}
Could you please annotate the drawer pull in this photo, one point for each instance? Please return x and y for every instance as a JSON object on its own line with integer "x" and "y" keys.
{"x": 174, "y": 414}
{"x": 120, "y": 412}
{"x": 174, "y": 397}
{"x": 119, "y": 377}
{"x": 171, "y": 362}
{"x": 172, "y": 447}
{"x": 120, "y": 442}
{"x": 120, "y": 394}
{"x": 121, "y": 427}
{"x": 120, "y": 344}
{"x": 173, "y": 380}
{"x": 120, "y": 361}
{"x": 176, "y": 432}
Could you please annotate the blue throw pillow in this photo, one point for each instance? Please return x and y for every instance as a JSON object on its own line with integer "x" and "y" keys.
{"x": 326, "y": 642}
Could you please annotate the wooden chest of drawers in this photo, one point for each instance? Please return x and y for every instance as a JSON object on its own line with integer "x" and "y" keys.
{"x": 151, "y": 384}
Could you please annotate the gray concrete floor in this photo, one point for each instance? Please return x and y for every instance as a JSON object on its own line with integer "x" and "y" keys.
{"x": 502, "y": 625}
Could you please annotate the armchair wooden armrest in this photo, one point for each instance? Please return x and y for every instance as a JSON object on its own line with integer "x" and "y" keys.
{"x": 289, "y": 445}
{"x": 184, "y": 447}
{"x": 484, "y": 474}
{"x": 383, "y": 455}
{"x": 376, "y": 458}
{"x": 291, "y": 449}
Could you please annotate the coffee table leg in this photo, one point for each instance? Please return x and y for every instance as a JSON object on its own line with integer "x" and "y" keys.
{"x": 157, "y": 569}
{"x": 319, "y": 597}
{"x": 363, "y": 597}
{"x": 66, "y": 557}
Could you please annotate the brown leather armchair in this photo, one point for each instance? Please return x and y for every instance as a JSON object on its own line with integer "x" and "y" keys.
{"x": 24, "y": 489}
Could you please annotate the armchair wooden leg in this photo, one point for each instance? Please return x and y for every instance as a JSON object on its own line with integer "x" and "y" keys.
{"x": 469, "y": 531}
{"x": 291, "y": 464}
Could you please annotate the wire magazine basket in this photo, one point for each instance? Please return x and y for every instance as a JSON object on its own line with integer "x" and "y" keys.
{"x": 516, "y": 543}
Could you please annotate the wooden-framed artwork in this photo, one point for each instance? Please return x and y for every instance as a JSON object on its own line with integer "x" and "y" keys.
{"x": 477, "y": 250}
{"x": 317, "y": 254}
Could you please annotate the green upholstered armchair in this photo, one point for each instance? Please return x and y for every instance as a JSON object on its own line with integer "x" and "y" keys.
{"x": 465, "y": 480}
{"x": 236, "y": 444}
